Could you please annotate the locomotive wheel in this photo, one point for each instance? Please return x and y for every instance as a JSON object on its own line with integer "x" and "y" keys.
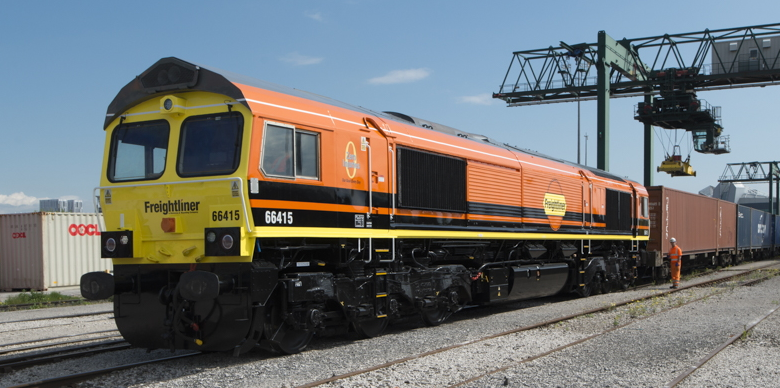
{"x": 370, "y": 328}
{"x": 437, "y": 316}
{"x": 584, "y": 291}
{"x": 626, "y": 283}
{"x": 283, "y": 337}
{"x": 447, "y": 306}
{"x": 591, "y": 288}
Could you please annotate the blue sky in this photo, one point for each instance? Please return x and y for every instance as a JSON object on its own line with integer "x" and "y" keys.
{"x": 63, "y": 62}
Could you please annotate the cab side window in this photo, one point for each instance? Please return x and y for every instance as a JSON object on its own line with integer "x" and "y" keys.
{"x": 290, "y": 153}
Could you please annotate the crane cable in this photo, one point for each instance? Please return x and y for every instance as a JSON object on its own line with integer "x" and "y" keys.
{"x": 673, "y": 143}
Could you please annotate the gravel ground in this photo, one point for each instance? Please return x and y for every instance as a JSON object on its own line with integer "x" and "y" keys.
{"x": 750, "y": 362}
{"x": 49, "y": 323}
{"x": 647, "y": 353}
{"x": 652, "y": 352}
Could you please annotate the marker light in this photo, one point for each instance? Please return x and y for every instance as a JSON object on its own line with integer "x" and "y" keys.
{"x": 227, "y": 242}
{"x": 211, "y": 237}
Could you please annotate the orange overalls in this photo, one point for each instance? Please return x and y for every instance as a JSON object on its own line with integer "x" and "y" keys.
{"x": 675, "y": 259}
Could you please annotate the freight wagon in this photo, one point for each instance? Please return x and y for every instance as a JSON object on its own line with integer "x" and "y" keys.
{"x": 711, "y": 232}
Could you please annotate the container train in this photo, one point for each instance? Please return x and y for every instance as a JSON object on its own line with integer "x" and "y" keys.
{"x": 243, "y": 214}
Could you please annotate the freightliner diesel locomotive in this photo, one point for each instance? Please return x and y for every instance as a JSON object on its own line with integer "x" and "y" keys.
{"x": 243, "y": 214}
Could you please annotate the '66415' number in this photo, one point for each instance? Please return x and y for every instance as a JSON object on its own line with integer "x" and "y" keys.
{"x": 273, "y": 217}
{"x": 226, "y": 215}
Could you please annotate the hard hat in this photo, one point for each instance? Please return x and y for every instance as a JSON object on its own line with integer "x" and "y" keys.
{"x": 673, "y": 239}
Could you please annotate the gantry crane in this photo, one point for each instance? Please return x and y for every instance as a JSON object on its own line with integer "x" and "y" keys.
{"x": 724, "y": 59}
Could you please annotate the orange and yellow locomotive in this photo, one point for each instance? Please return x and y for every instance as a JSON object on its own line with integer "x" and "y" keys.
{"x": 239, "y": 213}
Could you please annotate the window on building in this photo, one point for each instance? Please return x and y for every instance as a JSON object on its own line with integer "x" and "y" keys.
{"x": 754, "y": 54}
{"x": 290, "y": 153}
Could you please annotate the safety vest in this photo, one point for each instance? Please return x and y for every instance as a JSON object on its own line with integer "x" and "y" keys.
{"x": 675, "y": 253}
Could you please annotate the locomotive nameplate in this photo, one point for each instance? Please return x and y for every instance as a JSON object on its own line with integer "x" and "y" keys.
{"x": 554, "y": 204}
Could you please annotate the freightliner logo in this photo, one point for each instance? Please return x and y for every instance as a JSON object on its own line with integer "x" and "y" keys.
{"x": 171, "y": 207}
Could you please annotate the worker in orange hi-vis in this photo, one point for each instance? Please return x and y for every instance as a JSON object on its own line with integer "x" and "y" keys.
{"x": 675, "y": 259}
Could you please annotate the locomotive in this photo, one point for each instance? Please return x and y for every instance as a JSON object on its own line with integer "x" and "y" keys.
{"x": 242, "y": 214}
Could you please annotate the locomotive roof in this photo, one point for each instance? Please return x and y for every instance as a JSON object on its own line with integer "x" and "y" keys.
{"x": 481, "y": 138}
{"x": 175, "y": 75}
{"x": 206, "y": 78}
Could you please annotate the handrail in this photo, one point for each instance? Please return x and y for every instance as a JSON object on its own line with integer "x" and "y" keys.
{"x": 392, "y": 179}
{"x": 364, "y": 141}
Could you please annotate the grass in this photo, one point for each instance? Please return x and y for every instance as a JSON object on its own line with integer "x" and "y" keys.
{"x": 37, "y": 298}
{"x": 745, "y": 333}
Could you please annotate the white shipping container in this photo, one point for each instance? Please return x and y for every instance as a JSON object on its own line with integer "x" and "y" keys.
{"x": 39, "y": 251}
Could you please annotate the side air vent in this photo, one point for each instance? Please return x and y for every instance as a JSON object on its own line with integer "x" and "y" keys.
{"x": 169, "y": 74}
{"x": 618, "y": 210}
{"x": 430, "y": 181}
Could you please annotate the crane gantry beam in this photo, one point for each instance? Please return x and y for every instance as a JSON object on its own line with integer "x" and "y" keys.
{"x": 545, "y": 76}
{"x": 609, "y": 69}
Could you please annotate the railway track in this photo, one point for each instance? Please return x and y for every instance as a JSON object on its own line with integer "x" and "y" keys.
{"x": 44, "y": 342}
{"x": 334, "y": 380}
{"x": 11, "y": 364}
{"x": 60, "y": 381}
{"x": 71, "y": 352}
{"x": 64, "y": 380}
{"x": 690, "y": 371}
{"x": 79, "y": 315}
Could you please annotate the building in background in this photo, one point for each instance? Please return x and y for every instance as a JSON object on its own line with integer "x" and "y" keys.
{"x": 61, "y": 205}
{"x": 738, "y": 193}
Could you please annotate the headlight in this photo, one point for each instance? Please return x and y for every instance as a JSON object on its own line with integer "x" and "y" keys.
{"x": 227, "y": 242}
{"x": 111, "y": 244}
{"x": 116, "y": 244}
{"x": 222, "y": 241}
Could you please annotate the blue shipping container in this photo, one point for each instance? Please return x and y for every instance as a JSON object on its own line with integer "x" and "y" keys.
{"x": 776, "y": 233}
{"x": 743, "y": 227}
{"x": 761, "y": 229}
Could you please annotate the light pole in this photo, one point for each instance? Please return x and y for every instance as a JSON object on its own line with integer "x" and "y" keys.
{"x": 586, "y": 149}
{"x": 579, "y": 147}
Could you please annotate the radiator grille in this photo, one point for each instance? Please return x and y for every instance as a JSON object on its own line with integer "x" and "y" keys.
{"x": 430, "y": 181}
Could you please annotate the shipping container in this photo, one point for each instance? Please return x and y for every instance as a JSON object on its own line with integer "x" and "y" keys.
{"x": 727, "y": 226}
{"x": 39, "y": 251}
{"x": 701, "y": 224}
{"x": 743, "y": 227}
{"x": 776, "y": 232}
{"x": 761, "y": 229}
